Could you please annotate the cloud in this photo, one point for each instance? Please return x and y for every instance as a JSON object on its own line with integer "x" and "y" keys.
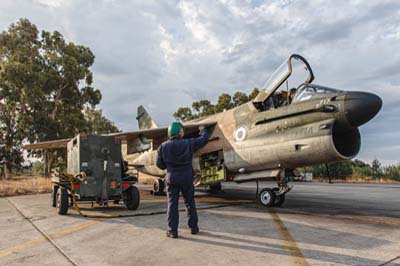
{"x": 166, "y": 54}
{"x": 50, "y": 3}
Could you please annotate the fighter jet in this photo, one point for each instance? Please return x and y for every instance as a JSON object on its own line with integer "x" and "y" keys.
{"x": 291, "y": 123}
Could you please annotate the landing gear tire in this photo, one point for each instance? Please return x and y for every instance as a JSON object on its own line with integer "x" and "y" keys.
{"x": 279, "y": 199}
{"x": 62, "y": 201}
{"x": 54, "y": 190}
{"x": 158, "y": 187}
{"x": 132, "y": 198}
{"x": 216, "y": 188}
{"x": 266, "y": 197}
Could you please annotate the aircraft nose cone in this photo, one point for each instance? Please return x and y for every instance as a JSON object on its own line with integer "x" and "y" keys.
{"x": 360, "y": 107}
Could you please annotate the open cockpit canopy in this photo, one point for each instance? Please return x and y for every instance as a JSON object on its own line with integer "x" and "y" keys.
{"x": 292, "y": 73}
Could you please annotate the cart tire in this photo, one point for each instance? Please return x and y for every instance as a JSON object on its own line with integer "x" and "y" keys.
{"x": 54, "y": 190}
{"x": 266, "y": 197}
{"x": 130, "y": 178}
{"x": 158, "y": 187}
{"x": 132, "y": 198}
{"x": 62, "y": 201}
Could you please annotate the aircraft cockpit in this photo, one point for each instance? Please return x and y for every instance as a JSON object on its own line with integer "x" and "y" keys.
{"x": 285, "y": 84}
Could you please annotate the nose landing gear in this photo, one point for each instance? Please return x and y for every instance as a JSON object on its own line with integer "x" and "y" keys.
{"x": 274, "y": 197}
{"x": 266, "y": 197}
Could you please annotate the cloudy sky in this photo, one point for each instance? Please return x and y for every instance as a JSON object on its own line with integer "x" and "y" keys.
{"x": 166, "y": 54}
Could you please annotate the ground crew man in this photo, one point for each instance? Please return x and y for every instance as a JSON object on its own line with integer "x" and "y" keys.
{"x": 176, "y": 155}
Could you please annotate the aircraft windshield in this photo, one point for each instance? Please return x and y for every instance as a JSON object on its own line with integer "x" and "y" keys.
{"x": 313, "y": 92}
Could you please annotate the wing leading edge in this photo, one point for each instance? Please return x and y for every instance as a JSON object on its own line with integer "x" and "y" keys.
{"x": 155, "y": 134}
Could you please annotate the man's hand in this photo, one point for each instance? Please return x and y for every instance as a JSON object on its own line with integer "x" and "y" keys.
{"x": 201, "y": 128}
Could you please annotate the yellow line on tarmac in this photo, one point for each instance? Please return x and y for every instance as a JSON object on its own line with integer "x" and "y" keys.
{"x": 289, "y": 244}
{"x": 74, "y": 229}
{"x": 9, "y": 251}
{"x": 26, "y": 245}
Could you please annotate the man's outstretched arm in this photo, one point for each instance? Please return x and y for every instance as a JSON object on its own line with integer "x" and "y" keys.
{"x": 201, "y": 140}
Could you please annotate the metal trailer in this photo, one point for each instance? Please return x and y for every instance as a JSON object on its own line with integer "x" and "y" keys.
{"x": 96, "y": 172}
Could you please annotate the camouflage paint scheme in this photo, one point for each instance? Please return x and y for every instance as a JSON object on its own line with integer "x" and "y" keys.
{"x": 318, "y": 130}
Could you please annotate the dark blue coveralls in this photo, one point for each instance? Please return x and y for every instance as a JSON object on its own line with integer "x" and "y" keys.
{"x": 176, "y": 156}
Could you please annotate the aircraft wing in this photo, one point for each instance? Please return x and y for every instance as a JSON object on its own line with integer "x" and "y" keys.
{"x": 159, "y": 133}
{"x": 133, "y": 138}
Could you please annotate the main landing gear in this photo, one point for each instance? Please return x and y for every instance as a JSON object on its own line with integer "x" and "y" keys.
{"x": 158, "y": 187}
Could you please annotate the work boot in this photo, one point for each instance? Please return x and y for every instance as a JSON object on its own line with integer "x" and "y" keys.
{"x": 172, "y": 234}
{"x": 194, "y": 230}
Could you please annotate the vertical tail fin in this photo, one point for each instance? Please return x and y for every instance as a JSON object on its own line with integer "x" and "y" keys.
{"x": 144, "y": 119}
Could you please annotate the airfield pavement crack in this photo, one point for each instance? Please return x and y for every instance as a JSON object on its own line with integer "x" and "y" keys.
{"x": 49, "y": 238}
{"x": 44, "y": 234}
{"x": 390, "y": 261}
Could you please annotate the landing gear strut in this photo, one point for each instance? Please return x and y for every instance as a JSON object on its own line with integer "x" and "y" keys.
{"x": 279, "y": 198}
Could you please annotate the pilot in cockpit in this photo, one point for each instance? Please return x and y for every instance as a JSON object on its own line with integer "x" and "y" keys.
{"x": 281, "y": 98}
{"x": 292, "y": 92}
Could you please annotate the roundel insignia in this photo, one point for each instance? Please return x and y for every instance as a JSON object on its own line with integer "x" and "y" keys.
{"x": 240, "y": 134}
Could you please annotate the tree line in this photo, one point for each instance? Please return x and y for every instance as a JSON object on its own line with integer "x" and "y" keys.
{"x": 354, "y": 168}
{"x": 46, "y": 92}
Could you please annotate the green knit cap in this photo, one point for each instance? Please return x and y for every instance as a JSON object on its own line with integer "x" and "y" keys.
{"x": 174, "y": 129}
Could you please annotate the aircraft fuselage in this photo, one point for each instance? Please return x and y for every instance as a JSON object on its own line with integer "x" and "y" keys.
{"x": 313, "y": 131}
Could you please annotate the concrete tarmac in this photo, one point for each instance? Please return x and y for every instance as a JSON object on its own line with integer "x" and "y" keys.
{"x": 319, "y": 224}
